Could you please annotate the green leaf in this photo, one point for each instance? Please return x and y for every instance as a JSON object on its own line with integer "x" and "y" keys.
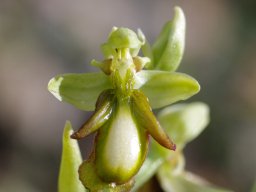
{"x": 90, "y": 179}
{"x": 183, "y": 182}
{"x": 184, "y": 122}
{"x": 70, "y": 161}
{"x": 164, "y": 88}
{"x": 80, "y": 90}
{"x": 169, "y": 46}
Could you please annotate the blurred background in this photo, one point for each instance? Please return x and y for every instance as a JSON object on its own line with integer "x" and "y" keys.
{"x": 42, "y": 38}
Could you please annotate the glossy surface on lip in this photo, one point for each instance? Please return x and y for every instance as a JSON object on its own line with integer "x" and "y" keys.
{"x": 121, "y": 150}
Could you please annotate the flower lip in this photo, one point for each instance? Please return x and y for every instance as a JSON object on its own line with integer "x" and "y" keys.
{"x": 121, "y": 145}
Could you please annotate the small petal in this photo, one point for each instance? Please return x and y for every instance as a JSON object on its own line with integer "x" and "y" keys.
{"x": 105, "y": 65}
{"x": 140, "y": 62}
{"x": 164, "y": 88}
{"x": 146, "y": 118}
{"x": 80, "y": 90}
{"x": 99, "y": 117}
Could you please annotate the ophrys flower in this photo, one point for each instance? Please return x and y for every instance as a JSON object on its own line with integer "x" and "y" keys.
{"x": 123, "y": 117}
{"x": 124, "y": 94}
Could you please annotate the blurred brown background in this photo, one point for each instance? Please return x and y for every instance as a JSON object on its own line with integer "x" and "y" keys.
{"x": 42, "y": 38}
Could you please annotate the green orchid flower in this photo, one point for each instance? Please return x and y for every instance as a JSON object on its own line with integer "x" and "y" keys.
{"x": 122, "y": 97}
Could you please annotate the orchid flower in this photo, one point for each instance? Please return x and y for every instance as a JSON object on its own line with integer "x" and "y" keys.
{"x": 122, "y": 97}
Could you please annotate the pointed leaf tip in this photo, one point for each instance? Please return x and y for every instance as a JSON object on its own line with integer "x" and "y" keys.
{"x": 70, "y": 161}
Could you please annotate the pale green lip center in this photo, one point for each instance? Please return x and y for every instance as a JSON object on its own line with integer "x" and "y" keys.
{"x": 122, "y": 149}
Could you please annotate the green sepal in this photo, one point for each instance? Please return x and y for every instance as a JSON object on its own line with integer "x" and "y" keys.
{"x": 181, "y": 182}
{"x": 169, "y": 46}
{"x": 101, "y": 114}
{"x": 146, "y": 119}
{"x": 80, "y": 90}
{"x": 70, "y": 161}
{"x": 89, "y": 178}
{"x": 121, "y": 38}
{"x": 164, "y": 88}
